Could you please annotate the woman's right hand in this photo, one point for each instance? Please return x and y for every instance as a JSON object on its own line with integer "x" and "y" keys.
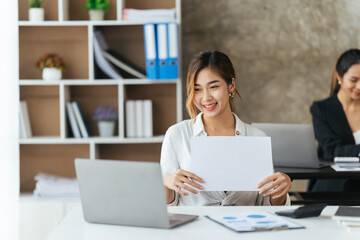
{"x": 177, "y": 180}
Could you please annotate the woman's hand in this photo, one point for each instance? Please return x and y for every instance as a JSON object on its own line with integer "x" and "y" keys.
{"x": 177, "y": 180}
{"x": 281, "y": 183}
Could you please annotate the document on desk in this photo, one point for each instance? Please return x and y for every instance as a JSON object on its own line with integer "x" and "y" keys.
{"x": 231, "y": 163}
{"x": 346, "y": 166}
{"x": 253, "y": 221}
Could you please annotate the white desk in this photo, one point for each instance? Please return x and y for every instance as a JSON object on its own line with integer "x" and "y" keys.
{"x": 74, "y": 227}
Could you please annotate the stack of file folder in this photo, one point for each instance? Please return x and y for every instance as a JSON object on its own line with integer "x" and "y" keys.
{"x": 161, "y": 50}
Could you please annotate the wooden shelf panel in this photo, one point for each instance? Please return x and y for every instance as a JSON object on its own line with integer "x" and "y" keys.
{"x": 153, "y": 4}
{"x": 134, "y": 152}
{"x": 128, "y": 43}
{"x": 70, "y": 42}
{"x": 50, "y": 10}
{"x": 92, "y": 97}
{"x": 77, "y": 10}
{"x": 163, "y": 101}
{"x": 43, "y": 108}
{"x": 53, "y": 159}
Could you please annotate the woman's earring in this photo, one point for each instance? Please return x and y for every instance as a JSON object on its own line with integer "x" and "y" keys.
{"x": 339, "y": 82}
{"x": 231, "y": 94}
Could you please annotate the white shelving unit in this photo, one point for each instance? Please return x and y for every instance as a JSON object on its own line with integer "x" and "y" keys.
{"x": 67, "y": 31}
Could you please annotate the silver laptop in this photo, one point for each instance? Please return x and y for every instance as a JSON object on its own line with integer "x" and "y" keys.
{"x": 293, "y": 145}
{"x": 125, "y": 193}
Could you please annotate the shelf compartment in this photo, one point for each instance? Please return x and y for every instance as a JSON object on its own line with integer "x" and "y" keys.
{"x": 70, "y": 42}
{"x": 149, "y": 152}
{"x": 163, "y": 97}
{"x": 53, "y": 159}
{"x": 77, "y": 11}
{"x": 50, "y": 10}
{"x": 43, "y": 108}
{"x": 154, "y": 4}
{"x": 92, "y": 97}
{"x": 128, "y": 43}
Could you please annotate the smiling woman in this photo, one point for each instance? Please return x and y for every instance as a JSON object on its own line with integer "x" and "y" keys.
{"x": 336, "y": 120}
{"x": 211, "y": 89}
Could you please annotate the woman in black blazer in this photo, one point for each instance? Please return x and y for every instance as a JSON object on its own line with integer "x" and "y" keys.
{"x": 336, "y": 119}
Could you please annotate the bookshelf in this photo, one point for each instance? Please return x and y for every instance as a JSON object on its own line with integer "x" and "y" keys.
{"x": 68, "y": 32}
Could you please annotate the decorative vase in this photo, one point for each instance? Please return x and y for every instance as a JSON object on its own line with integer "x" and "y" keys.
{"x": 106, "y": 128}
{"x": 51, "y": 74}
{"x": 36, "y": 14}
{"x": 96, "y": 15}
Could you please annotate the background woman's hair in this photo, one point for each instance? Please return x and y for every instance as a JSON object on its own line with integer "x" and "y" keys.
{"x": 216, "y": 61}
{"x": 345, "y": 61}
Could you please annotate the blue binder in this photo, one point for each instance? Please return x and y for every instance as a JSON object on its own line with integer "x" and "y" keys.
{"x": 162, "y": 50}
{"x": 173, "y": 51}
{"x": 150, "y": 51}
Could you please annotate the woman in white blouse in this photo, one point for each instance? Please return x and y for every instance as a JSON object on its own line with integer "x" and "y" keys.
{"x": 211, "y": 89}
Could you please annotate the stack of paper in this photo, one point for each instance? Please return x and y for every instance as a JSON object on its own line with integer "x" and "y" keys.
{"x": 130, "y": 14}
{"x": 48, "y": 185}
{"x": 344, "y": 164}
{"x": 139, "y": 118}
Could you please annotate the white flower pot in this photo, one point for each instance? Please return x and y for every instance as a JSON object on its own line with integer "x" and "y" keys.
{"x": 36, "y": 14}
{"x": 96, "y": 15}
{"x": 51, "y": 74}
{"x": 106, "y": 128}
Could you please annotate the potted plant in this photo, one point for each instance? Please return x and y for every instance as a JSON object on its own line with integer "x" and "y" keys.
{"x": 97, "y": 9}
{"x": 36, "y": 13}
{"x": 106, "y": 117}
{"x": 52, "y": 66}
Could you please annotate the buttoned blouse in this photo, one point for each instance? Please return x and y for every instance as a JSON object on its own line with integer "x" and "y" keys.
{"x": 175, "y": 154}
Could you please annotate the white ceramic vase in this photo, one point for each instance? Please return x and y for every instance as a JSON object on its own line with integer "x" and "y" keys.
{"x": 96, "y": 15}
{"x": 51, "y": 74}
{"x": 36, "y": 14}
{"x": 106, "y": 128}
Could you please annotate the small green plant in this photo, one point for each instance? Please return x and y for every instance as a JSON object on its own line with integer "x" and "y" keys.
{"x": 51, "y": 60}
{"x": 97, "y": 5}
{"x": 35, "y": 3}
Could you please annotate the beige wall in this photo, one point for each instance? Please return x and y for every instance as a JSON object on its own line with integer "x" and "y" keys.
{"x": 283, "y": 51}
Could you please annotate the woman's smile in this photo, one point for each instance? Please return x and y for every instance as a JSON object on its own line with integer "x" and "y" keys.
{"x": 210, "y": 107}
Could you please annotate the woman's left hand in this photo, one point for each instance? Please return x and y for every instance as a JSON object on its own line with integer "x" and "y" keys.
{"x": 280, "y": 183}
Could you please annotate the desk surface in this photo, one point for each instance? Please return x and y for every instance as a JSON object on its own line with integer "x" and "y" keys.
{"x": 312, "y": 173}
{"x": 74, "y": 227}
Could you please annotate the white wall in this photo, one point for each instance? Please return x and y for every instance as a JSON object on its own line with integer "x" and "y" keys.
{"x": 9, "y": 98}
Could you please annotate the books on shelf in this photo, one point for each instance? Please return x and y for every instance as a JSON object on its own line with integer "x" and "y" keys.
{"x": 161, "y": 50}
{"x": 139, "y": 118}
{"x": 102, "y": 63}
{"x": 113, "y": 60}
{"x": 52, "y": 186}
{"x": 130, "y": 14}
{"x": 72, "y": 120}
{"x": 25, "y": 126}
{"x": 76, "y": 120}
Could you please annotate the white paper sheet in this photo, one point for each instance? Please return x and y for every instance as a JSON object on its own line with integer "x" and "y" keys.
{"x": 253, "y": 221}
{"x": 231, "y": 163}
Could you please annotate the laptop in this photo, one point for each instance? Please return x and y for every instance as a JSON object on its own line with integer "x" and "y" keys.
{"x": 125, "y": 193}
{"x": 293, "y": 145}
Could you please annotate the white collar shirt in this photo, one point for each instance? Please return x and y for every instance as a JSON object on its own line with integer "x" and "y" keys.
{"x": 175, "y": 154}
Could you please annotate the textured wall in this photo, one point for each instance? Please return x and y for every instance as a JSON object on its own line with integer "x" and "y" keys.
{"x": 283, "y": 51}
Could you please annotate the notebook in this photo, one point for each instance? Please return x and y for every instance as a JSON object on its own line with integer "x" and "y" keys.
{"x": 125, "y": 193}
